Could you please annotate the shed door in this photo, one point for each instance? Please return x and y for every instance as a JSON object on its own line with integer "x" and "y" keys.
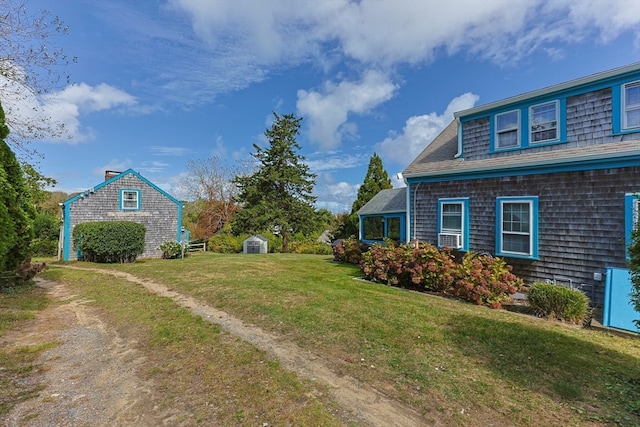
{"x": 253, "y": 247}
{"x": 618, "y": 311}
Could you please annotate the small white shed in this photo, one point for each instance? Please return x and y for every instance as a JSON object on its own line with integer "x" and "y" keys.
{"x": 255, "y": 244}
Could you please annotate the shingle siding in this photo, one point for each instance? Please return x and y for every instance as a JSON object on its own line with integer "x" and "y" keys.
{"x": 157, "y": 213}
{"x": 580, "y": 219}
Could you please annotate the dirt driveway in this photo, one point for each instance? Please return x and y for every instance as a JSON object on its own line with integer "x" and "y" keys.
{"x": 91, "y": 379}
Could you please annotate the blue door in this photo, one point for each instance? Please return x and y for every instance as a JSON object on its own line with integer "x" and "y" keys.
{"x": 618, "y": 311}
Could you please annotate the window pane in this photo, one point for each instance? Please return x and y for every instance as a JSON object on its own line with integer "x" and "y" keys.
{"x": 373, "y": 228}
{"x": 544, "y": 123}
{"x": 516, "y": 243}
{"x": 508, "y": 139}
{"x": 452, "y": 217}
{"x": 507, "y": 125}
{"x": 393, "y": 228}
{"x": 130, "y": 199}
{"x": 507, "y": 121}
{"x": 516, "y": 228}
{"x": 633, "y": 118}
{"x": 632, "y": 94}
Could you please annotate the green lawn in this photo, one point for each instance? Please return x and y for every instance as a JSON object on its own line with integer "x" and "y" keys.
{"x": 466, "y": 364}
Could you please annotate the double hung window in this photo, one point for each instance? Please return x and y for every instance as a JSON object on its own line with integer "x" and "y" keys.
{"x": 631, "y": 105}
{"x": 517, "y": 226}
{"x": 507, "y": 129}
{"x": 130, "y": 200}
{"x": 544, "y": 122}
{"x": 452, "y": 223}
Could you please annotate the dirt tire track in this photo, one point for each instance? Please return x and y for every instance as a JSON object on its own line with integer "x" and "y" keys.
{"x": 367, "y": 403}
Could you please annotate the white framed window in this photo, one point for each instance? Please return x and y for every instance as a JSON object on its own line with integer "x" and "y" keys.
{"x": 130, "y": 199}
{"x": 507, "y": 125}
{"x": 631, "y": 105}
{"x": 516, "y": 228}
{"x": 543, "y": 119}
{"x": 452, "y": 223}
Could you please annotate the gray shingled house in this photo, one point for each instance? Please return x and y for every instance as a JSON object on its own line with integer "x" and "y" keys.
{"x": 125, "y": 196}
{"x": 546, "y": 180}
{"x": 384, "y": 216}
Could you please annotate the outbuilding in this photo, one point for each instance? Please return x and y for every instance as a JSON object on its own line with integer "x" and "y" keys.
{"x": 255, "y": 244}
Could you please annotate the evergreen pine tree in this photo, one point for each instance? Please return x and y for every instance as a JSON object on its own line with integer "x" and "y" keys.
{"x": 375, "y": 180}
{"x": 277, "y": 197}
{"x": 16, "y": 208}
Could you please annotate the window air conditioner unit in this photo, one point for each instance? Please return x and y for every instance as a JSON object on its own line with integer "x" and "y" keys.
{"x": 453, "y": 241}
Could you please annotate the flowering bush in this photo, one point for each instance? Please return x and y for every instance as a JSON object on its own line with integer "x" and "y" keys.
{"x": 349, "y": 251}
{"x": 171, "y": 250}
{"x": 423, "y": 267}
{"x": 484, "y": 279}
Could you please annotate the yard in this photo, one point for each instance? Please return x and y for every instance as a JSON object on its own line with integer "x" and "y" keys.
{"x": 453, "y": 362}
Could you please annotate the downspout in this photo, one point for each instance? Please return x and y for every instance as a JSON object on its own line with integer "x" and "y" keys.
{"x": 459, "y": 153}
{"x": 415, "y": 191}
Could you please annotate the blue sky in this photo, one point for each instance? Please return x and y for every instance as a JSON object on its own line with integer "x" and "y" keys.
{"x": 159, "y": 83}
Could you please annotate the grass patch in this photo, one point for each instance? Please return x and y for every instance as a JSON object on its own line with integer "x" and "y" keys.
{"x": 460, "y": 362}
{"x": 18, "y": 304}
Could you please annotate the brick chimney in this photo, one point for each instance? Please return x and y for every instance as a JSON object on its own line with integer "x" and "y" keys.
{"x": 110, "y": 174}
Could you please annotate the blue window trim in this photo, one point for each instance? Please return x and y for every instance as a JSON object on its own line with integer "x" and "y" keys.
{"x": 464, "y": 201}
{"x": 385, "y": 218}
{"x": 630, "y": 200}
{"x": 121, "y": 199}
{"x": 618, "y": 101}
{"x": 533, "y": 201}
{"x": 524, "y": 133}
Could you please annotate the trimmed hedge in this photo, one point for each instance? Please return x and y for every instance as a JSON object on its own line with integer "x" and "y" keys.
{"x": 109, "y": 241}
{"x": 558, "y": 302}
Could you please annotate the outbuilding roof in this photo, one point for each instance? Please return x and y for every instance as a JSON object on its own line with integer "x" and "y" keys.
{"x": 392, "y": 200}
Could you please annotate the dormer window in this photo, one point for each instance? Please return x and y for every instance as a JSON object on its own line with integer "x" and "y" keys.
{"x": 508, "y": 129}
{"x": 544, "y": 122}
{"x": 631, "y": 105}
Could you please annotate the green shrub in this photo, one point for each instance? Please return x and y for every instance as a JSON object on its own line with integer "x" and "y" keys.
{"x": 309, "y": 247}
{"x": 484, "y": 279}
{"x": 225, "y": 243}
{"x": 109, "y": 241}
{"x": 40, "y": 247}
{"x": 559, "y": 302}
{"x": 171, "y": 250}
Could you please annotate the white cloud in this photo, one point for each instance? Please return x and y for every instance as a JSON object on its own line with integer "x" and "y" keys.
{"x": 160, "y": 150}
{"x": 320, "y": 162}
{"x": 419, "y": 131}
{"x": 335, "y": 196}
{"x": 327, "y": 112}
{"x": 67, "y": 106}
{"x": 61, "y": 111}
{"x": 385, "y": 32}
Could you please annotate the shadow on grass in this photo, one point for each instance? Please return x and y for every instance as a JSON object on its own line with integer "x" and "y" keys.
{"x": 552, "y": 362}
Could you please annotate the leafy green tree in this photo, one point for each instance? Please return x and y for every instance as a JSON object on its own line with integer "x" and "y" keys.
{"x": 16, "y": 208}
{"x": 375, "y": 180}
{"x": 277, "y": 197}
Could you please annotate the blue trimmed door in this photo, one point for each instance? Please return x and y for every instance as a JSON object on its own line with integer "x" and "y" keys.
{"x": 618, "y": 311}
